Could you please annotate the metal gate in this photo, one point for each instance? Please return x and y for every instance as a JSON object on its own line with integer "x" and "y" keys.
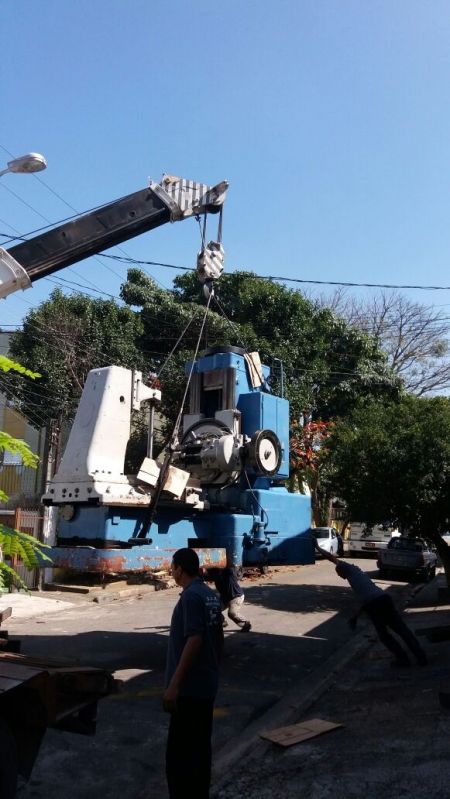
{"x": 28, "y": 520}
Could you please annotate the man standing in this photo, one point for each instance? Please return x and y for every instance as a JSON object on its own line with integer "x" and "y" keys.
{"x": 195, "y": 645}
{"x": 380, "y": 609}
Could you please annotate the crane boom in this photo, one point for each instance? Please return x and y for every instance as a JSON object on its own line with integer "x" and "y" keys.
{"x": 171, "y": 200}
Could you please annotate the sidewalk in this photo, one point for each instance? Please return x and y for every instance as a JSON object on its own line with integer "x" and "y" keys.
{"x": 27, "y": 606}
{"x": 395, "y": 737}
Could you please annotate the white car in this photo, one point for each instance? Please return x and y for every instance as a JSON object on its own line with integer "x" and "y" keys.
{"x": 328, "y": 539}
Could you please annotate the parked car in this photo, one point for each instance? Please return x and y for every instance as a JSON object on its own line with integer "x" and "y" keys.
{"x": 407, "y": 556}
{"x": 328, "y": 539}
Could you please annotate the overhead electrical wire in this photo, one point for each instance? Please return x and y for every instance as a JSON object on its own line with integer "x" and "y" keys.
{"x": 254, "y": 276}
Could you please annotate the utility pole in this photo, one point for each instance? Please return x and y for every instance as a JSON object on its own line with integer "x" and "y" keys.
{"x": 48, "y": 527}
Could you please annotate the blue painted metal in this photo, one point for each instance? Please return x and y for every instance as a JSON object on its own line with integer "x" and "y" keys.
{"x": 262, "y": 411}
{"x": 136, "y": 559}
{"x": 252, "y": 522}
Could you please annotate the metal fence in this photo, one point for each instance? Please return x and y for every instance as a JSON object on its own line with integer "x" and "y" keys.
{"x": 28, "y": 520}
{"x": 17, "y": 481}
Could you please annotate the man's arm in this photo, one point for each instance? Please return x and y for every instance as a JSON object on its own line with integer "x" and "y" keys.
{"x": 188, "y": 657}
{"x": 325, "y": 554}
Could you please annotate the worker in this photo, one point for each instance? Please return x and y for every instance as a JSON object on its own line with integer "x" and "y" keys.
{"x": 380, "y": 609}
{"x": 194, "y": 650}
{"x": 231, "y": 596}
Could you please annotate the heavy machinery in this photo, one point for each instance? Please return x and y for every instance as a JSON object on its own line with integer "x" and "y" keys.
{"x": 169, "y": 201}
{"x": 223, "y": 492}
{"x": 221, "y": 485}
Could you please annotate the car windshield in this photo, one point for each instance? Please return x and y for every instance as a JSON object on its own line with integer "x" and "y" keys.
{"x": 319, "y": 533}
{"x": 406, "y": 544}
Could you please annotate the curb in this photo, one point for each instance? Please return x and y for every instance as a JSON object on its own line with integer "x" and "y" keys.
{"x": 287, "y": 709}
{"x": 292, "y": 706}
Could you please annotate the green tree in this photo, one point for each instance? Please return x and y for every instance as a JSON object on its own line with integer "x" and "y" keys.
{"x": 308, "y": 460}
{"x": 328, "y": 365}
{"x": 63, "y": 339}
{"x": 15, "y": 542}
{"x": 392, "y": 462}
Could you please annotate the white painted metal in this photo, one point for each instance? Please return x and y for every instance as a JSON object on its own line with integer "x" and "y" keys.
{"x": 92, "y": 467}
{"x": 210, "y": 262}
{"x": 188, "y": 198}
{"x": 12, "y": 275}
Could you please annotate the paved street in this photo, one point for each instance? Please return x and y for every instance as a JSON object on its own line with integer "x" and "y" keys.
{"x": 395, "y": 733}
{"x": 299, "y": 620}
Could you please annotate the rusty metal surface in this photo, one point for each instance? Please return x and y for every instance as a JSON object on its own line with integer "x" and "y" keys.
{"x": 143, "y": 558}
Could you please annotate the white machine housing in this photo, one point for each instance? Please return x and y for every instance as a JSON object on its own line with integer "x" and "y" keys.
{"x": 92, "y": 467}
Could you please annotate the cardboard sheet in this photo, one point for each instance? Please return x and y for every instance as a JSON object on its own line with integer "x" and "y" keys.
{"x": 296, "y": 733}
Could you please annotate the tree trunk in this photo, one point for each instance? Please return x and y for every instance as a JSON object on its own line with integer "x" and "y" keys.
{"x": 443, "y": 551}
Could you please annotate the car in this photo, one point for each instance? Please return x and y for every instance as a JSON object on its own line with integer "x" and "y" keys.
{"x": 405, "y": 555}
{"x": 327, "y": 538}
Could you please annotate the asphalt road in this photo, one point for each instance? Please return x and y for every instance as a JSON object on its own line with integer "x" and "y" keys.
{"x": 299, "y": 620}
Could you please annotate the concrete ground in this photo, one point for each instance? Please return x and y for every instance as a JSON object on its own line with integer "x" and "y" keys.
{"x": 395, "y": 736}
{"x": 300, "y": 645}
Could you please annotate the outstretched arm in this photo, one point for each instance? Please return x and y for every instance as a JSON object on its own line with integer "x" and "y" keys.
{"x": 327, "y": 555}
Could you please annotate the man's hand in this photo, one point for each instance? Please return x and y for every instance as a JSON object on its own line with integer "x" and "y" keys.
{"x": 170, "y": 697}
{"x": 324, "y": 553}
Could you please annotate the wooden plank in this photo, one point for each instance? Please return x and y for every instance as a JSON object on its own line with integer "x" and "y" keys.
{"x": 296, "y": 733}
{"x": 28, "y": 660}
{"x": 18, "y": 671}
{"x": 7, "y": 683}
{"x": 5, "y": 614}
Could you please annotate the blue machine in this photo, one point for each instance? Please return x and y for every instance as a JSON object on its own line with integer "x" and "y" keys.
{"x": 224, "y": 493}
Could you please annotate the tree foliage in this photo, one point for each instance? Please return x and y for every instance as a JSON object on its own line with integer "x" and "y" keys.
{"x": 415, "y": 337}
{"x": 15, "y": 542}
{"x": 328, "y": 365}
{"x": 308, "y": 460}
{"x": 64, "y": 338}
{"x": 392, "y": 462}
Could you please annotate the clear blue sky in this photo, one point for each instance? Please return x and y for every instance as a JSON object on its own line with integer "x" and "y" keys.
{"x": 330, "y": 119}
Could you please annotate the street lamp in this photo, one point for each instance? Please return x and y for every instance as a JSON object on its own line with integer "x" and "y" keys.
{"x": 31, "y": 162}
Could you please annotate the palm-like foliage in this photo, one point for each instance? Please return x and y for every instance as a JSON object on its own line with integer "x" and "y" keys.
{"x": 14, "y": 543}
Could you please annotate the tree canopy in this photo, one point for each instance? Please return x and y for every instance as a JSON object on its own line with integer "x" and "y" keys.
{"x": 415, "y": 337}
{"x": 328, "y": 365}
{"x": 391, "y": 462}
{"x": 63, "y": 339}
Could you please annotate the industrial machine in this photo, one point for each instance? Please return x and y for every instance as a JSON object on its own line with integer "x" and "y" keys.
{"x": 223, "y": 492}
{"x": 221, "y": 486}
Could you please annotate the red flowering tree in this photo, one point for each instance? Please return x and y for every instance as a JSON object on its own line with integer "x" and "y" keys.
{"x": 308, "y": 461}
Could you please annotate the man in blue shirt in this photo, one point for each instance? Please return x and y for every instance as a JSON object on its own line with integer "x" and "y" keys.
{"x": 195, "y": 645}
{"x": 380, "y": 609}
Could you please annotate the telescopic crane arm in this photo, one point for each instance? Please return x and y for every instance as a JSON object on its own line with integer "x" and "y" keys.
{"x": 171, "y": 200}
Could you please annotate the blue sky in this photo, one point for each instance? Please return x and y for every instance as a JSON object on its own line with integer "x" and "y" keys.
{"x": 331, "y": 121}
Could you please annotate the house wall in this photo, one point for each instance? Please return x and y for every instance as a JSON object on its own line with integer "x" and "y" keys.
{"x": 21, "y": 483}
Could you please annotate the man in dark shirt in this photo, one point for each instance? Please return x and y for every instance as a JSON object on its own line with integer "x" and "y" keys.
{"x": 380, "y": 609}
{"x": 231, "y": 596}
{"x": 195, "y": 645}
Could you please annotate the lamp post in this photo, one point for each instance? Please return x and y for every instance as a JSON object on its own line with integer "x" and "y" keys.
{"x": 31, "y": 162}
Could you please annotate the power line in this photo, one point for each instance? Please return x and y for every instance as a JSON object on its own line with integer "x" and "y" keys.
{"x": 271, "y": 278}
{"x": 253, "y": 275}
